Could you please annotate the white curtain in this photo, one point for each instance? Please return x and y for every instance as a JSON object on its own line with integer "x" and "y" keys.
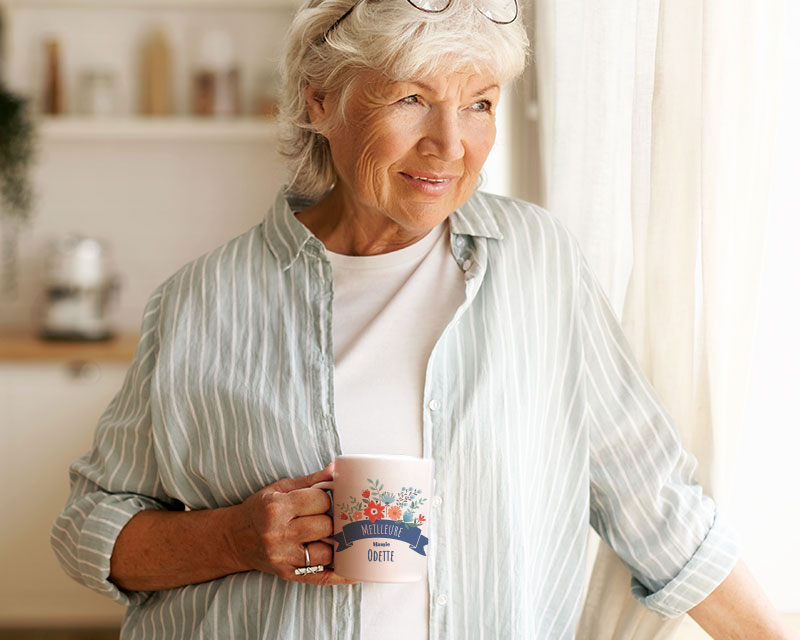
{"x": 657, "y": 124}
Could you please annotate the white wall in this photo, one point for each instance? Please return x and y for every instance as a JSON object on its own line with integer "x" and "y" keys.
{"x": 158, "y": 204}
{"x": 766, "y": 506}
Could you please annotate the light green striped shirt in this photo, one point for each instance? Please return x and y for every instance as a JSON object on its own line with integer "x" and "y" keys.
{"x": 537, "y": 416}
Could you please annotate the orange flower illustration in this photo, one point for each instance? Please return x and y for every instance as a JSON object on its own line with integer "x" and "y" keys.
{"x": 373, "y": 511}
{"x": 395, "y": 513}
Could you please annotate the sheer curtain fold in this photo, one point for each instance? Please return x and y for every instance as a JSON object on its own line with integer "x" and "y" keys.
{"x": 657, "y": 125}
{"x": 741, "y": 65}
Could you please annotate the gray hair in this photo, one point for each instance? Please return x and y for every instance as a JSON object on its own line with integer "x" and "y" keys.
{"x": 388, "y": 36}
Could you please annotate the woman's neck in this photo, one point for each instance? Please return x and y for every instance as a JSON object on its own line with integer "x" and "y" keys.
{"x": 349, "y": 230}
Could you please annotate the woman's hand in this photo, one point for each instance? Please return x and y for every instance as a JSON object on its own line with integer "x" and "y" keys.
{"x": 167, "y": 549}
{"x": 269, "y": 529}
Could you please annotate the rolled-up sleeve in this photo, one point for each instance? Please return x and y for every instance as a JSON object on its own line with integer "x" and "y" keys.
{"x": 709, "y": 566}
{"x": 645, "y": 501}
{"x": 117, "y": 479}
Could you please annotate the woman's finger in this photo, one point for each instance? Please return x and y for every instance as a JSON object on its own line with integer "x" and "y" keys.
{"x": 310, "y": 528}
{"x": 318, "y": 553}
{"x": 309, "y": 502}
{"x": 284, "y": 485}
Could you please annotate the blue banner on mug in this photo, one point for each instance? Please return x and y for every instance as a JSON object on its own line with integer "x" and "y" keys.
{"x": 389, "y": 529}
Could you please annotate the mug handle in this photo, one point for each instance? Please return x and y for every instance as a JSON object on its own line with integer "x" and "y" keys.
{"x": 326, "y": 485}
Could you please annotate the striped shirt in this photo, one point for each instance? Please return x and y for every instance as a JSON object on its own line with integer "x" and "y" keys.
{"x": 538, "y": 418}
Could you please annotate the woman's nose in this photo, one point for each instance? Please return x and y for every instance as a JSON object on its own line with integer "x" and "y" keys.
{"x": 443, "y": 136}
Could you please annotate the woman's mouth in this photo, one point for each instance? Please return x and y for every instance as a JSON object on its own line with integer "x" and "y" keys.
{"x": 428, "y": 183}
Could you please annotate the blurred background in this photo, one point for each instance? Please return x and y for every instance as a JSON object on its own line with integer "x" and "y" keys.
{"x": 155, "y": 142}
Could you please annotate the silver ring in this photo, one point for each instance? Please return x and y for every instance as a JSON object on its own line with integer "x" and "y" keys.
{"x": 304, "y": 571}
{"x": 308, "y": 569}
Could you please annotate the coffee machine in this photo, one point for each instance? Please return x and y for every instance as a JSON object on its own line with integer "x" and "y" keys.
{"x": 80, "y": 291}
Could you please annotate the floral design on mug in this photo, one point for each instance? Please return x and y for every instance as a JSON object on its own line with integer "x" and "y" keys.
{"x": 401, "y": 507}
{"x": 374, "y": 511}
{"x": 394, "y": 513}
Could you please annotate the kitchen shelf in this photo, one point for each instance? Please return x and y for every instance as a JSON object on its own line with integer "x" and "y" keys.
{"x": 72, "y": 129}
{"x": 25, "y": 346}
{"x": 235, "y": 5}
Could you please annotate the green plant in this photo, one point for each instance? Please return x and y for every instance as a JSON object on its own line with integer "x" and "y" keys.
{"x": 17, "y": 150}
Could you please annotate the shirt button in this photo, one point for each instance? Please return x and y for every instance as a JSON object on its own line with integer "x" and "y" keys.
{"x": 467, "y": 264}
{"x": 441, "y": 600}
{"x": 437, "y": 501}
{"x": 459, "y": 241}
{"x": 434, "y": 405}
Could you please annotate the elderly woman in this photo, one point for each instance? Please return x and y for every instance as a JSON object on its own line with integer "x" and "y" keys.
{"x": 385, "y": 306}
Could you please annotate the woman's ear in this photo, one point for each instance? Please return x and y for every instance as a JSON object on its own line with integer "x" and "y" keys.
{"x": 315, "y": 104}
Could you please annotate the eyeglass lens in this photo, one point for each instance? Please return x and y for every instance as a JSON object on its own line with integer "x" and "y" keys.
{"x": 500, "y": 11}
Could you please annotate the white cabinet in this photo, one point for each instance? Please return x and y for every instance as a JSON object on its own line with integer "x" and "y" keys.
{"x": 48, "y": 412}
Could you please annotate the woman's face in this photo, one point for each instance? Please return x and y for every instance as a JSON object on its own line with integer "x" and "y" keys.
{"x": 411, "y": 152}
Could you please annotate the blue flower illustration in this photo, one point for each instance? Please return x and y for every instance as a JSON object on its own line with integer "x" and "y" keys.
{"x": 408, "y": 516}
{"x": 387, "y": 498}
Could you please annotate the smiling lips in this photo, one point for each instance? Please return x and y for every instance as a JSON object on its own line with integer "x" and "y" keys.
{"x": 428, "y": 180}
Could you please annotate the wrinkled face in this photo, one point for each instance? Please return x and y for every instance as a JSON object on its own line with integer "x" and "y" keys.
{"x": 412, "y": 151}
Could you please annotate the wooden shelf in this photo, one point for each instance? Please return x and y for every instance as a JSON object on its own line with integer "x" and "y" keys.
{"x": 24, "y": 346}
{"x": 71, "y": 128}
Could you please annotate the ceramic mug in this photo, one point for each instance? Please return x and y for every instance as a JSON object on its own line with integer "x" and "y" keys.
{"x": 381, "y": 517}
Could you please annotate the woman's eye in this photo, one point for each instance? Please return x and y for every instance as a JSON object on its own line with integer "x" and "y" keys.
{"x": 483, "y": 105}
{"x": 410, "y": 100}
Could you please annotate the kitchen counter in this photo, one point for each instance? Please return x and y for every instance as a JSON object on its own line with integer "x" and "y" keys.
{"x": 25, "y": 346}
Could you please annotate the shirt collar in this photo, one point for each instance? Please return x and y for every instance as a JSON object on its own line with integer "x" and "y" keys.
{"x": 286, "y": 236}
{"x": 476, "y": 217}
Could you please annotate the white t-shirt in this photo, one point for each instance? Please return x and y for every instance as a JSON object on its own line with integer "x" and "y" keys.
{"x": 388, "y": 312}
